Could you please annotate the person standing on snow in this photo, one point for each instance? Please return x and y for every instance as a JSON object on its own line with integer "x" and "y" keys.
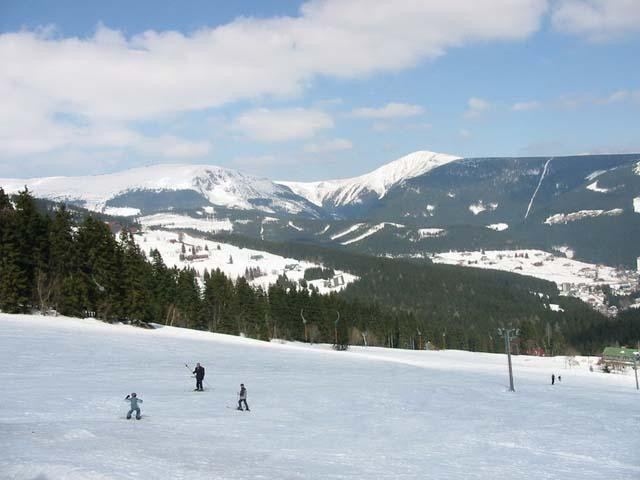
{"x": 134, "y": 401}
{"x": 553, "y": 379}
{"x": 199, "y": 373}
{"x": 242, "y": 397}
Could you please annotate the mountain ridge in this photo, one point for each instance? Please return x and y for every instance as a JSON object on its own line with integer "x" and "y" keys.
{"x": 356, "y": 190}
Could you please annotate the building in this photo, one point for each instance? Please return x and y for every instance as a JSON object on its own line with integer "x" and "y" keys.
{"x": 618, "y": 358}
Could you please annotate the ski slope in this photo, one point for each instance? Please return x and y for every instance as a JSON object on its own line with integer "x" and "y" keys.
{"x": 316, "y": 414}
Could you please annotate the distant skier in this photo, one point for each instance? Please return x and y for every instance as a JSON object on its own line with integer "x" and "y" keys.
{"x": 559, "y": 378}
{"x": 199, "y": 373}
{"x": 134, "y": 401}
{"x": 553, "y": 379}
{"x": 242, "y": 397}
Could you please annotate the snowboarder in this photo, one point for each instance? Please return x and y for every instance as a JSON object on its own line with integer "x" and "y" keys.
{"x": 242, "y": 397}
{"x": 134, "y": 401}
{"x": 553, "y": 379}
{"x": 199, "y": 373}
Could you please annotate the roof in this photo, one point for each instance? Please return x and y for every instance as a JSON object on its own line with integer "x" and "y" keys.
{"x": 620, "y": 352}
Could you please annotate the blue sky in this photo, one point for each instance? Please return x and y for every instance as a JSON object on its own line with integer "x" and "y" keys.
{"x": 316, "y": 90}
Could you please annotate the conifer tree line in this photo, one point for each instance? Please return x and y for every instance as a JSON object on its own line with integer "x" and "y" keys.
{"x": 50, "y": 262}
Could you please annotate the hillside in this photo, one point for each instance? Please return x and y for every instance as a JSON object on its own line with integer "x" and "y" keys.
{"x": 375, "y": 413}
{"x": 421, "y": 203}
{"x": 339, "y": 195}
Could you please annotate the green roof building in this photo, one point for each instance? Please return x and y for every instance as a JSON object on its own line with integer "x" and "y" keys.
{"x": 619, "y": 356}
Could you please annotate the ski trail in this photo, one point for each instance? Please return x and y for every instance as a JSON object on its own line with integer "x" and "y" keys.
{"x": 544, "y": 172}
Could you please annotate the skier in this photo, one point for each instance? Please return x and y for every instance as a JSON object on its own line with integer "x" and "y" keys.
{"x": 199, "y": 373}
{"x": 242, "y": 397}
{"x": 559, "y": 378}
{"x": 553, "y": 379}
{"x": 134, "y": 400}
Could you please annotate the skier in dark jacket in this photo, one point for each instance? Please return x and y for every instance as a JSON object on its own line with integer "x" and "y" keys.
{"x": 242, "y": 397}
{"x": 199, "y": 373}
{"x": 553, "y": 379}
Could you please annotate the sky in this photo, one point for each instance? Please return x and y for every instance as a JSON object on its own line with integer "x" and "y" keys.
{"x": 312, "y": 90}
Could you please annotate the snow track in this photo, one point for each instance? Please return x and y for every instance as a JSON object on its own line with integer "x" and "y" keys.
{"x": 352, "y": 228}
{"x": 544, "y": 172}
{"x": 371, "y": 231}
{"x": 376, "y": 413}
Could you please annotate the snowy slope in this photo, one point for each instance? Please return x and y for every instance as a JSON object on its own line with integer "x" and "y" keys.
{"x": 220, "y": 186}
{"x": 337, "y": 193}
{"x": 208, "y": 224}
{"x": 231, "y": 260}
{"x": 316, "y": 414}
{"x": 581, "y": 277}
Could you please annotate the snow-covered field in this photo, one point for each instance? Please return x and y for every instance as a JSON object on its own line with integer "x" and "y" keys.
{"x": 575, "y": 278}
{"x": 316, "y": 414}
{"x": 231, "y": 260}
{"x": 536, "y": 263}
{"x": 207, "y": 224}
{"x": 580, "y": 215}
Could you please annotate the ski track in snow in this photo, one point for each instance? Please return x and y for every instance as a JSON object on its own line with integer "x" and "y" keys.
{"x": 352, "y": 228}
{"x": 371, "y": 231}
{"x": 315, "y": 413}
{"x": 544, "y": 172}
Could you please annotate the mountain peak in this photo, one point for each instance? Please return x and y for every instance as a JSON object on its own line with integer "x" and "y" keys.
{"x": 342, "y": 192}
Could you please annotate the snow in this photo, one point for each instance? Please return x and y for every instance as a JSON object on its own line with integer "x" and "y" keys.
{"x": 477, "y": 208}
{"x": 636, "y": 169}
{"x": 555, "y": 269}
{"x": 480, "y": 207}
{"x": 219, "y": 186}
{"x": 594, "y": 188}
{"x": 555, "y": 307}
{"x": 371, "y": 231}
{"x": 350, "y": 190}
{"x": 594, "y": 175}
{"x": 575, "y": 278}
{"x": 580, "y": 215}
{"x": 430, "y": 232}
{"x": 324, "y": 230}
{"x": 121, "y": 211}
{"x": 368, "y": 413}
{"x": 535, "y": 192}
{"x": 636, "y": 204}
{"x": 568, "y": 252}
{"x": 352, "y": 228}
{"x": 498, "y": 227}
{"x": 294, "y": 226}
{"x": 170, "y": 220}
{"x": 170, "y": 247}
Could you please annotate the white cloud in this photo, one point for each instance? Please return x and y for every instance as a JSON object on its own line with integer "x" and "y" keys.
{"x": 334, "y": 145}
{"x": 465, "y": 134}
{"x": 615, "y": 97}
{"x": 390, "y": 110}
{"x": 268, "y": 125}
{"x": 476, "y": 107}
{"x": 597, "y": 19}
{"x": 110, "y": 78}
{"x": 524, "y": 106}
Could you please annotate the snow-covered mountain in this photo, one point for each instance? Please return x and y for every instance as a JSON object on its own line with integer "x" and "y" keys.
{"x": 128, "y": 190}
{"x": 373, "y": 185}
